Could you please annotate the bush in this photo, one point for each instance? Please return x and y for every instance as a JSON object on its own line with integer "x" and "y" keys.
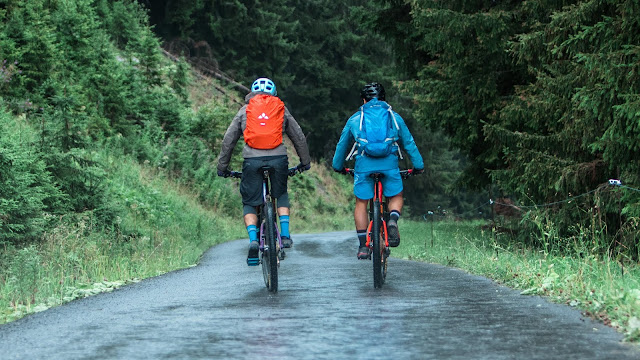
{"x": 27, "y": 190}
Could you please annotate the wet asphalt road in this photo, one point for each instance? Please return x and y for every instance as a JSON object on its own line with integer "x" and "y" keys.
{"x": 326, "y": 308}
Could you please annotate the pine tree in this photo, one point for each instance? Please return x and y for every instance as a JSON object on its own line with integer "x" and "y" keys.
{"x": 27, "y": 190}
{"x": 576, "y": 126}
{"x": 456, "y": 53}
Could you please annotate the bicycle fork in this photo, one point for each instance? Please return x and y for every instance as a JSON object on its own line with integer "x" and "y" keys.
{"x": 280, "y": 251}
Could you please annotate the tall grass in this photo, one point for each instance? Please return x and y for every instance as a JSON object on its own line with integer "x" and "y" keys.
{"x": 165, "y": 228}
{"x": 600, "y": 286}
{"x": 321, "y": 201}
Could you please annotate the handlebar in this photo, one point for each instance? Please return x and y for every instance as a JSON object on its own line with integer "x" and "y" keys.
{"x": 403, "y": 173}
{"x": 292, "y": 172}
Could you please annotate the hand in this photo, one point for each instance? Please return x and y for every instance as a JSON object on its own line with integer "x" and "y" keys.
{"x": 417, "y": 171}
{"x": 224, "y": 174}
{"x": 342, "y": 171}
{"x": 302, "y": 167}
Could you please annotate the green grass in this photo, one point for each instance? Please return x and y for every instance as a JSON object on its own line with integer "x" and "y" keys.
{"x": 165, "y": 228}
{"x": 321, "y": 201}
{"x": 602, "y": 288}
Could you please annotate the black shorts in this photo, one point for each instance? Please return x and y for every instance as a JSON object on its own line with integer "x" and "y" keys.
{"x": 251, "y": 182}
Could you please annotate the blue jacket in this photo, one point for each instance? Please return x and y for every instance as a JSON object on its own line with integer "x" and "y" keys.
{"x": 365, "y": 163}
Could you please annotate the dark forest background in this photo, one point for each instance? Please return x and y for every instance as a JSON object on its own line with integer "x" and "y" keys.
{"x": 536, "y": 103}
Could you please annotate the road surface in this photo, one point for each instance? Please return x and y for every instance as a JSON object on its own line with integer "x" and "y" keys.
{"x": 326, "y": 308}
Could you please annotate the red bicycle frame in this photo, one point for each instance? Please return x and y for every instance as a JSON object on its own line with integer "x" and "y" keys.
{"x": 377, "y": 195}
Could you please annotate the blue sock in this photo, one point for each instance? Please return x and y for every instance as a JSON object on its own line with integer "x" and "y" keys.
{"x": 394, "y": 215}
{"x": 253, "y": 232}
{"x": 284, "y": 225}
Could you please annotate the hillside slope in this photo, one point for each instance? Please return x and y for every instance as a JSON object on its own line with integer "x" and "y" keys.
{"x": 107, "y": 157}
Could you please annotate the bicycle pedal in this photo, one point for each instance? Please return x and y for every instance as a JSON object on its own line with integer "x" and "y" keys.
{"x": 253, "y": 261}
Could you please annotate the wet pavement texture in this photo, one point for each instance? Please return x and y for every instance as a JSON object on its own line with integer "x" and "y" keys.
{"x": 325, "y": 308}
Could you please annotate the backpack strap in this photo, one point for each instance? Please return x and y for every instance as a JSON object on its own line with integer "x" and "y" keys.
{"x": 399, "y": 151}
{"x": 395, "y": 122}
{"x": 353, "y": 151}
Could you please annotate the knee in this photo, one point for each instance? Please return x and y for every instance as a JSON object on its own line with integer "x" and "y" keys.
{"x": 361, "y": 202}
{"x": 248, "y": 209}
{"x": 283, "y": 201}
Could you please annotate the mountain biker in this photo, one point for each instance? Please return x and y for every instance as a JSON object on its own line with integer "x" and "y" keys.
{"x": 366, "y": 163}
{"x": 267, "y": 149}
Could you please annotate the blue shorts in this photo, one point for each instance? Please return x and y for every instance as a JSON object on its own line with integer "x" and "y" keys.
{"x": 363, "y": 183}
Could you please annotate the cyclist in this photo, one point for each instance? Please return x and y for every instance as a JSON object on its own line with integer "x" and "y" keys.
{"x": 376, "y": 116}
{"x": 262, "y": 122}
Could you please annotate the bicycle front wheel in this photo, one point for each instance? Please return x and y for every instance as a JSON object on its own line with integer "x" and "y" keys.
{"x": 270, "y": 251}
{"x": 379, "y": 258}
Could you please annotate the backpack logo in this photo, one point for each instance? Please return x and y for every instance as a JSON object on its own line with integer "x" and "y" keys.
{"x": 265, "y": 118}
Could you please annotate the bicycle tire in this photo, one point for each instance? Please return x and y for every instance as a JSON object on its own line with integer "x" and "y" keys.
{"x": 263, "y": 256}
{"x": 270, "y": 253}
{"x": 378, "y": 248}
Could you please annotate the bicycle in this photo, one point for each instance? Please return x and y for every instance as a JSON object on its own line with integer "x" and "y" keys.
{"x": 377, "y": 235}
{"x": 270, "y": 242}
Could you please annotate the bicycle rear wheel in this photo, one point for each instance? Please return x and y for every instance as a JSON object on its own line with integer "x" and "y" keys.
{"x": 379, "y": 258}
{"x": 270, "y": 251}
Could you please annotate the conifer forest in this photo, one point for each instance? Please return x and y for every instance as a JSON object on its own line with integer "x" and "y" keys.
{"x": 530, "y": 108}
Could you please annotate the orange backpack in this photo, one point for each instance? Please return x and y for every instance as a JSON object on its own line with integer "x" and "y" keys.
{"x": 265, "y": 116}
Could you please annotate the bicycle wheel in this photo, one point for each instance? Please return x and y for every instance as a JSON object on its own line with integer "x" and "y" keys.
{"x": 263, "y": 241}
{"x": 379, "y": 268}
{"x": 270, "y": 252}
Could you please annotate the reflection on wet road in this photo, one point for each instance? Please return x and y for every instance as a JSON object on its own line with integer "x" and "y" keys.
{"x": 325, "y": 308}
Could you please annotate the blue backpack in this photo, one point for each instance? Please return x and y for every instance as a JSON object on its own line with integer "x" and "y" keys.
{"x": 378, "y": 131}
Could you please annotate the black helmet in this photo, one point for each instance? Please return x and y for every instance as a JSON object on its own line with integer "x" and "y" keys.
{"x": 372, "y": 90}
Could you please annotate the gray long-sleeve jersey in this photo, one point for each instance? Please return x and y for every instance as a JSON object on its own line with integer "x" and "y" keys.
{"x": 290, "y": 127}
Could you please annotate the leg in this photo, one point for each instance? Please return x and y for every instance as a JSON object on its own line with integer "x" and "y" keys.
{"x": 279, "y": 192}
{"x": 395, "y": 208}
{"x": 283, "y": 214}
{"x": 250, "y": 189}
{"x": 392, "y": 183}
{"x": 250, "y": 219}
{"x": 362, "y": 222}
{"x": 363, "y": 190}
{"x": 251, "y": 222}
{"x": 360, "y": 214}
{"x": 396, "y": 202}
